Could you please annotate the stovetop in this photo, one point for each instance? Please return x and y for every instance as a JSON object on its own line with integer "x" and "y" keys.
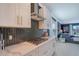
{"x": 37, "y": 41}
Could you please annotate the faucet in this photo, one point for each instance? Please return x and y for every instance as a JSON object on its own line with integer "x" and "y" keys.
{"x": 2, "y": 42}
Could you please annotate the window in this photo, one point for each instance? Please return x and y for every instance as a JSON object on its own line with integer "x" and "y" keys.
{"x": 75, "y": 29}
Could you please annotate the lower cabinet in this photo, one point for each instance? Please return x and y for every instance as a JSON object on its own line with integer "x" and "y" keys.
{"x": 51, "y": 48}
{"x": 46, "y": 49}
{"x": 43, "y": 49}
{"x": 33, "y": 52}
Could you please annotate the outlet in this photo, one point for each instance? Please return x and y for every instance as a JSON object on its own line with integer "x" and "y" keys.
{"x": 10, "y": 37}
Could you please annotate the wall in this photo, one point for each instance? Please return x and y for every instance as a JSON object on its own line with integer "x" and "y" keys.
{"x": 52, "y": 24}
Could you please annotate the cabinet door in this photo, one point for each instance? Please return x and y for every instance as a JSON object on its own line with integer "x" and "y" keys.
{"x": 51, "y": 48}
{"x": 46, "y": 49}
{"x": 42, "y": 25}
{"x": 43, "y": 49}
{"x": 43, "y": 12}
{"x": 4, "y": 14}
{"x": 18, "y": 16}
{"x": 15, "y": 15}
{"x": 8, "y": 14}
{"x": 12, "y": 15}
{"x": 33, "y": 53}
{"x": 25, "y": 13}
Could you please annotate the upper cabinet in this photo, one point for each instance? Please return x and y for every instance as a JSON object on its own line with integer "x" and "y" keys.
{"x": 4, "y": 15}
{"x": 23, "y": 14}
{"x": 43, "y": 25}
{"x": 38, "y": 12}
{"x": 15, "y": 15}
{"x": 43, "y": 11}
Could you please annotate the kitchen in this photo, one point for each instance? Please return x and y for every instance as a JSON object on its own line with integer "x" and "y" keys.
{"x": 26, "y": 30}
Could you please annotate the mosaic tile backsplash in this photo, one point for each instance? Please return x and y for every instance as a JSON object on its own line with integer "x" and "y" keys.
{"x": 17, "y": 35}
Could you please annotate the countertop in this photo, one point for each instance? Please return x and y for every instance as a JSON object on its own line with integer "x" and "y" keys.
{"x": 19, "y": 49}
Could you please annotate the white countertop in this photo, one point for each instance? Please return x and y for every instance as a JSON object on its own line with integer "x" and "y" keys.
{"x": 19, "y": 49}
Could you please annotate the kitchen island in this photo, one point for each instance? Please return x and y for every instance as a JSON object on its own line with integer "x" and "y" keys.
{"x": 46, "y": 48}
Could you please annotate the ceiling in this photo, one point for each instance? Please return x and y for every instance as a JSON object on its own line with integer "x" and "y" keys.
{"x": 64, "y": 12}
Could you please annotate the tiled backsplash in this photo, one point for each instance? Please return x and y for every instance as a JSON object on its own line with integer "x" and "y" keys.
{"x": 17, "y": 35}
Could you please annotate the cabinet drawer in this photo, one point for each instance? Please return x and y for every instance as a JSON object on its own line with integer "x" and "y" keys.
{"x": 46, "y": 49}
{"x": 51, "y": 48}
{"x": 32, "y": 53}
{"x": 43, "y": 50}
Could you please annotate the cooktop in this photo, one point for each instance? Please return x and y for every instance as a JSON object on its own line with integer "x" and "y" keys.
{"x": 37, "y": 41}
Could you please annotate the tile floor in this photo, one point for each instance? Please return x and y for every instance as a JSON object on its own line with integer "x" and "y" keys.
{"x": 66, "y": 49}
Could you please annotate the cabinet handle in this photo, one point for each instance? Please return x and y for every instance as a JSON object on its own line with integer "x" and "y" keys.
{"x": 21, "y": 20}
{"x": 18, "y": 20}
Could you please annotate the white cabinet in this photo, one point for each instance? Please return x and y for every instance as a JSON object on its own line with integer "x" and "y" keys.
{"x": 15, "y": 15}
{"x": 33, "y": 53}
{"x": 3, "y": 14}
{"x": 43, "y": 25}
{"x": 24, "y": 14}
{"x": 43, "y": 11}
{"x": 51, "y": 48}
{"x": 43, "y": 49}
{"x": 11, "y": 21}
{"x": 46, "y": 49}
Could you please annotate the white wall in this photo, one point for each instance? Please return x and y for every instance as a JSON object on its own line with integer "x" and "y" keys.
{"x": 52, "y": 25}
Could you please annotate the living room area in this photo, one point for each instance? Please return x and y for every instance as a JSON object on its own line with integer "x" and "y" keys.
{"x": 70, "y": 32}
